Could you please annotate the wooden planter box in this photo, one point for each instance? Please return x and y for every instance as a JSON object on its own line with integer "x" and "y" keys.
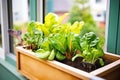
{"x": 37, "y": 69}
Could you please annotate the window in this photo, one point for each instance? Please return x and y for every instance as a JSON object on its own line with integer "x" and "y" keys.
{"x": 20, "y": 18}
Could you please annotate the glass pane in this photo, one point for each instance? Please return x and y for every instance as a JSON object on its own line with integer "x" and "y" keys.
{"x": 92, "y": 12}
{"x": 0, "y": 29}
{"x": 20, "y": 13}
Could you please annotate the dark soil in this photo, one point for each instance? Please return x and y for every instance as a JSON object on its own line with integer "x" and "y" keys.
{"x": 85, "y": 66}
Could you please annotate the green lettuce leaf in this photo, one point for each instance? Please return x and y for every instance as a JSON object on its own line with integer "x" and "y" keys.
{"x": 59, "y": 42}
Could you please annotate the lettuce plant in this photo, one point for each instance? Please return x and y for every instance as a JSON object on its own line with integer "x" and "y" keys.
{"x": 56, "y": 40}
{"x": 91, "y": 49}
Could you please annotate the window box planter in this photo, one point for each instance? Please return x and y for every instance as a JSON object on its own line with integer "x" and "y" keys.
{"x": 38, "y": 69}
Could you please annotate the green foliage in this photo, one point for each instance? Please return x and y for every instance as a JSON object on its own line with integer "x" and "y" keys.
{"x": 91, "y": 49}
{"x": 52, "y": 55}
{"x": 55, "y": 40}
{"x": 60, "y": 56}
{"x": 46, "y": 44}
{"x": 53, "y": 36}
{"x": 41, "y": 53}
{"x": 72, "y": 43}
{"x": 33, "y": 37}
{"x": 59, "y": 42}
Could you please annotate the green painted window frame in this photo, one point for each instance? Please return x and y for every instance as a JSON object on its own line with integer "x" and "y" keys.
{"x": 33, "y": 10}
{"x": 118, "y": 41}
{"x": 113, "y": 41}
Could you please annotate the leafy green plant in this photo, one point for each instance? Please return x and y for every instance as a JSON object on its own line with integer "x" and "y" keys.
{"x": 91, "y": 49}
{"x": 54, "y": 40}
{"x": 66, "y": 40}
{"x": 33, "y": 37}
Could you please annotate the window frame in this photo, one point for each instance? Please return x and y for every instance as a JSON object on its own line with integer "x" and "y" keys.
{"x": 113, "y": 33}
{"x": 33, "y": 10}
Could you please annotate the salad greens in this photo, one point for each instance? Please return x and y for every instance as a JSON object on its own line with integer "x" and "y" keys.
{"x": 54, "y": 39}
{"x": 59, "y": 42}
{"x": 40, "y": 53}
{"x": 33, "y": 37}
{"x": 91, "y": 50}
